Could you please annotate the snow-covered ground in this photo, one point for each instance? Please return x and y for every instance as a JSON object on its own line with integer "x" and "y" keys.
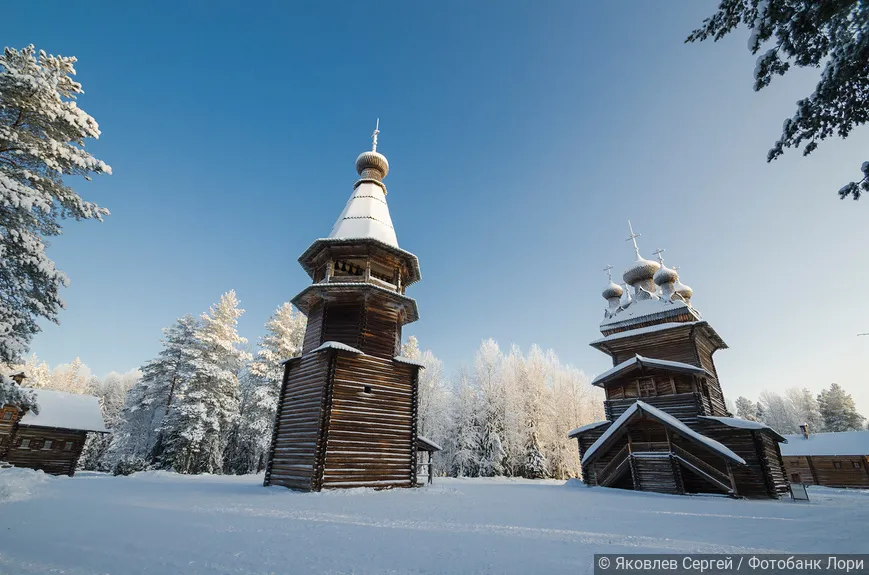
{"x": 163, "y": 523}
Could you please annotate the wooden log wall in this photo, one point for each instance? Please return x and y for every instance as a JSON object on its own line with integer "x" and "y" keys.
{"x": 31, "y": 448}
{"x": 379, "y": 330}
{"x": 372, "y": 428}
{"x": 657, "y": 474}
{"x": 585, "y": 441}
{"x": 314, "y": 329}
{"x": 673, "y": 345}
{"x": 9, "y": 416}
{"x": 342, "y": 322}
{"x": 683, "y": 406}
{"x": 853, "y": 470}
{"x": 297, "y": 442}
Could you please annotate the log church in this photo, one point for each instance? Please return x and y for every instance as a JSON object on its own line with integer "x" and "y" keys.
{"x": 347, "y": 410}
{"x": 667, "y": 428}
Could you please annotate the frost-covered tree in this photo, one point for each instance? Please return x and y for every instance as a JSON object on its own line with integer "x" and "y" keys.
{"x": 147, "y": 403}
{"x": 487, "y": 375}
{"x": 838, "y": 410}
{"x": 462, "y": 445}
{"x": 73, "y": 377}
{"x": 197, "y": 429}
{"x": 42, "y": 138}
{"x": 779, "y": 412}
{"x": 112, "y": 392}
{"x": 12, "y": 393}
{"x": 832, "y": 34}
{"x": 261, "y": 387}
{"x": 38, "y": 373}
{"x": 806, "y": 408}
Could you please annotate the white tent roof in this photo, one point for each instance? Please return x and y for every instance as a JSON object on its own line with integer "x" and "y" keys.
{"x": 366, "y": 215}
{"x": 66, "y": 411}
{"x": 831, "y": 443}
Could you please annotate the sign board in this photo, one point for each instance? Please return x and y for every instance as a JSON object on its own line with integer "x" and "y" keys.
{"x": 799, "y": 492}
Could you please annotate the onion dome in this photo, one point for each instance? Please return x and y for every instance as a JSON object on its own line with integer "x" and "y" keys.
{"x": 613, "y": 290}
{"x": 372, "y": 166}
{"x": 665, "y": 276}
{"x": 640, "y": 270}
{"x": 683, "y": 290}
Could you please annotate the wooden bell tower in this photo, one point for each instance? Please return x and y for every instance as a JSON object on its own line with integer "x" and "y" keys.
{"x": 347, "y": 411}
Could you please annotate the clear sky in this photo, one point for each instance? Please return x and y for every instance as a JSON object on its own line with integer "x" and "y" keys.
{"x": 521, "y": 138}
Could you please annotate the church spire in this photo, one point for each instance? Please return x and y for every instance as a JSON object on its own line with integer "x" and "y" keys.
{"x": 366, "y": 214}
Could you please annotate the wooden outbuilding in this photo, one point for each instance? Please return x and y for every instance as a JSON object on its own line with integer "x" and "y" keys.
{"x": 667, "y": 428}
{"x": 425, "y": 449}
{"x": 53, "y": 439}
{"x": 834, "y": 459}
{"x": 347, "y": 411}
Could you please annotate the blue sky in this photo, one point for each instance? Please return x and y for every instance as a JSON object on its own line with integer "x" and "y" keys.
{"x": 521, "y": 138}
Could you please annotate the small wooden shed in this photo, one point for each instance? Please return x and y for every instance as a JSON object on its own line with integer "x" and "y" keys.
{"x": 833, "y": 459}
{"x": 425, "y": 448}
{"x": 53, "y": 439}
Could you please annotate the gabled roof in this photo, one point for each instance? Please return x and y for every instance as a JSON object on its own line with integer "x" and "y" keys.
{"x": 427, "y": 444}
{"x": 738, "y": 423}
{"x": 640, "y": 362}
{"x": 640, "y": 407}
{"x": 829, "y": 444}
{"x": 580, "y": 430}
{"x": 63, "y": 410}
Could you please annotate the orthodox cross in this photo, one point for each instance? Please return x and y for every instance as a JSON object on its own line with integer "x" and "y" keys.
{"x": 608, "y": 271}
{"x": 633, "y": 238}
{"x": 374, "y": 136}
{"x": 658, "y": 253}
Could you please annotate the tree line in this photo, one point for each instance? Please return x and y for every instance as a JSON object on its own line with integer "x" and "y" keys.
{"x": 833, "y": 409}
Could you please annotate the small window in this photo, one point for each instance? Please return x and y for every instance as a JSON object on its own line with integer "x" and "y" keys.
{"x": 366, "y": 389}
{"x": 856, "y": 464}
{"x": 67, "y": 446}
{"x": 837, "y": 464}
{"x": 47, "y": 445}
{"x": 647, "y": 387}
{"x": 7, "y": 416}
{"x": 25, "y": 444}
{"x": 795, "y": 478}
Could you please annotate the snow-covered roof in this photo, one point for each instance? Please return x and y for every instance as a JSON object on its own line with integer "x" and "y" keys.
{"x": 402, "y": 359}
{"x": 666, "y": 419}
{"x": 366, "y": 215}
{"x": 414, "y": 274}
{"x": 739, "y": 423}
{"x": 644, "y": 310}
{"x": 302, "y": 300}
{"x": 640, "y": 361}
{"x": 336, "y": 345}
{"x": 830, "y": 443}
{"x": 432, "y": 446}
{"x": 584, "y": 428}
{"x": 644, "y": 330}
{"x": 66, "y": 411}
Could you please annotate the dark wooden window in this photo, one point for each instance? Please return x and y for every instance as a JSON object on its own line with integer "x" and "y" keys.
{"x": 837, "y": 464}
{"x": 7, "y": 416}
{"x": 67, "y": 446}
{"x": 856, "y": 464}
{"x": 25, "y": 444}
{"x": 47, "y": 445}
{"x": 647, "y": 387}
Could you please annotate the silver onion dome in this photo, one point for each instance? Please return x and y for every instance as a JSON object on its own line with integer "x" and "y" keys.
{"x": 372, "y": 165}
{"x": 665, "y": 275}
{"x": 613, "y": 290}
{"x": 640, "y": 270}
{"x": 683, "y": 290}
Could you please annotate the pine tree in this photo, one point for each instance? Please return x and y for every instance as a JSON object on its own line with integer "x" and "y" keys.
{"x": 838, "y": 410}
{"x": 807, "y": 33}
{"x": 746, "y": 409}
{"x": 197, "y": 429}
{"x": 807, "y": 409}
{"x": 147, "y": 403}
{"x": 42, "y": 138}
{"x": 112, "y": 392}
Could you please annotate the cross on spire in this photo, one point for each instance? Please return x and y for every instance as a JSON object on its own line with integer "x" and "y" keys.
{"x": 658, "y": 253}
{"x": 609, "y": 273}
{"x": 633, "y": 238}
{"x": 374, "y": 136}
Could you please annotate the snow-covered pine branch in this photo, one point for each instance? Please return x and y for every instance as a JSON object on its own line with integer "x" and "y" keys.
{"x": 42, "y": 138}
